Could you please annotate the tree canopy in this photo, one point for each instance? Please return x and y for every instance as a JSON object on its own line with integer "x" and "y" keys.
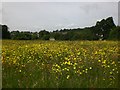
{"x": 103, "y": 30}
{"x": 4, "y": 31}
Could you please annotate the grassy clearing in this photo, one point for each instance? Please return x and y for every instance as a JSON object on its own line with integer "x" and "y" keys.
{"x": 60, "y": 64}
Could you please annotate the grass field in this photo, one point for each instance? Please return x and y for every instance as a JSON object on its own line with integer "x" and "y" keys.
{"x": 60, "y": 64}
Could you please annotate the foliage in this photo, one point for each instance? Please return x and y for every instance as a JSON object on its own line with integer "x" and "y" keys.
{"x": 115, "y": 33}
{"x": 44, "y": 35}
{"x": 5, "y": 32}
{"x": 103, "y": 28}
{"x": 101, "y": 31}
{"x": 0, "y": 31}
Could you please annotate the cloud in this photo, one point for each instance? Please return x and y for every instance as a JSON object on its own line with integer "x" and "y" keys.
{"x": 0, "y": 12}
{"x": 119, "y": 13}
{"x": 52, "y": 15}
{"x": 59, "y": 0}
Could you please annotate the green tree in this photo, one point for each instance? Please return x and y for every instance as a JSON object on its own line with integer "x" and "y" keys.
{"x": 15, "y": 35}
{"x": 44, "y": 35}
{"x": 34, "y": 35}
{"x": 103, "y": 28}
{"x": 5, "y": 32}
{"x": 21, "y": 35}
{"x": 0, "y": 31}
{"x": 115, "y": 34}
{"x": 25, "y": 36}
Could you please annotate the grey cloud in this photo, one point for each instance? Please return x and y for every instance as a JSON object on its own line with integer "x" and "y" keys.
{"x": 52, "y": 15}
{"x": 119, "y": 13}
{"x": 0, "y": 12}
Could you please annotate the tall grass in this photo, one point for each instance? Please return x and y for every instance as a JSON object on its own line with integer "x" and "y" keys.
{"x": 60, "y": 64}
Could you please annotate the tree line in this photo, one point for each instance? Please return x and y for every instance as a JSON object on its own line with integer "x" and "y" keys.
{"x": 103, "y": 30}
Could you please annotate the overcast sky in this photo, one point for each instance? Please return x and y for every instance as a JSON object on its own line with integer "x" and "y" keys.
{"x": 36, "y": 16}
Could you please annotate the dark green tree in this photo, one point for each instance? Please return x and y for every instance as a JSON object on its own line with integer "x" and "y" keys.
{"x": 5, "y": 32}
{"x": 34, "y": 35}
{"x": 25, "y": 35}
{"x": 44, "y": 35}
{"x": 21, "y": 35}
{"x": 0, "y": 31}
{"x": 15, "y": 35}
{"x": 115, "y": 33}
{"x": 103, "y": 28}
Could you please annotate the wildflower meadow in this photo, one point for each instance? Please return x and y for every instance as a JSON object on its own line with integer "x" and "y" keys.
{"x": 60, "y": 64}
